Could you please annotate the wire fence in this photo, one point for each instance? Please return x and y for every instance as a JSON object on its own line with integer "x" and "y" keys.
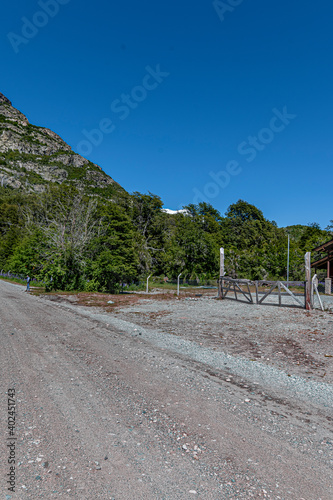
{"x": 321, "y": 287}
{"x": 8, "y": 274}
{"x": 183, "y": 282}
{"x": 196, "y": 282}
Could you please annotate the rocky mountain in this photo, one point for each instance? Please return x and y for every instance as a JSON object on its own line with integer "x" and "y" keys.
{"x": 32, "y": 157}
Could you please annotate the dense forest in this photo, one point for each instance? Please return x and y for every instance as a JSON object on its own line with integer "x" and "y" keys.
{"x": 74, "y": 241}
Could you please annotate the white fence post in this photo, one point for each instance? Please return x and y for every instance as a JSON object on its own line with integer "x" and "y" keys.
{"x": 315, "y": 289}
{"x": 147, "y": 288}
{"x": 179, "y": 275}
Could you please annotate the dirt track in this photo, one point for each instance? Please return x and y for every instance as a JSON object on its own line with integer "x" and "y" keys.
{"x": 117, "y": 406}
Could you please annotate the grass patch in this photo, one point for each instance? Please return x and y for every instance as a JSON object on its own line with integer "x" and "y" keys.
{"x": 33, "y": 284}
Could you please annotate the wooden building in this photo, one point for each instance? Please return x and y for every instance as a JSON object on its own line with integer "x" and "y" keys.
{"x": 326, "y": 261}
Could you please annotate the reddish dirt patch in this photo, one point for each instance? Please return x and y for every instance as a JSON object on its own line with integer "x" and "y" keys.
{"x": 89, "y": 299}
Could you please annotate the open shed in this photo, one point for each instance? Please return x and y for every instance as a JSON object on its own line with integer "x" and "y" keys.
{"x": 326, "y": 260}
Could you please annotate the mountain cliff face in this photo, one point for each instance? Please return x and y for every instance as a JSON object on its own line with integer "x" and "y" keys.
{"x": 31, "y": 157}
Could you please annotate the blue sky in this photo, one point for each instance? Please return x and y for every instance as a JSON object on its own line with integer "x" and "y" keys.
{"x": 191, "y": 102}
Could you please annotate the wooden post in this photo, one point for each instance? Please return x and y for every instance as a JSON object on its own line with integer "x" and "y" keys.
{"x": 279, "y": 288}
{"x": 308, "y": 283}
{"x": 221, "y": 272}
{"x": 257, "y": 292}
{"x": 221, "y": 262}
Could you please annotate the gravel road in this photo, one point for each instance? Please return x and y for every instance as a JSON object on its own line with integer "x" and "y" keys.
{"x": 166, "y": 399}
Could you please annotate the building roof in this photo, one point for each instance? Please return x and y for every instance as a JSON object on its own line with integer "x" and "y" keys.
{"x": 327, "y": 248}
{"x": 322, "y": 263}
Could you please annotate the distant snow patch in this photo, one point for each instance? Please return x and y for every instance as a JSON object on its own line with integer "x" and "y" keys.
{"x": 173, "y": 212}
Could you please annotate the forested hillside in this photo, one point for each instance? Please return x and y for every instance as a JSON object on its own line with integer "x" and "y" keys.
{"x": 32, "y": 157}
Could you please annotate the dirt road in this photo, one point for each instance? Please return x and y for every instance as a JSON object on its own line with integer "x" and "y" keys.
{"x": 107, "y": 411}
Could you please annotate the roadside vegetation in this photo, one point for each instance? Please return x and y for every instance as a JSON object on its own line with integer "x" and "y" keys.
{"x": 72, "y": 241}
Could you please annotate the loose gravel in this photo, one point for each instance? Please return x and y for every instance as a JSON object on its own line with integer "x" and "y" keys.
{"x": 168, "y": 399}
{"x": 200, "y": 310}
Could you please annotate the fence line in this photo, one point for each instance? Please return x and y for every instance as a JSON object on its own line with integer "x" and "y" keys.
{"x": 8, "y": 274}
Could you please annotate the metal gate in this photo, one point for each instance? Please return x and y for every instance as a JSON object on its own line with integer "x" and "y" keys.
{"x": 241, "y": 289}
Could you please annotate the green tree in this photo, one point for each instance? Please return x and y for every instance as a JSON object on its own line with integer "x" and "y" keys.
{"x": 113, "y": 255}
{"x": 67, "y": 221}
{"x": 192, "y": 250}
{"x": 153, "y": 229}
